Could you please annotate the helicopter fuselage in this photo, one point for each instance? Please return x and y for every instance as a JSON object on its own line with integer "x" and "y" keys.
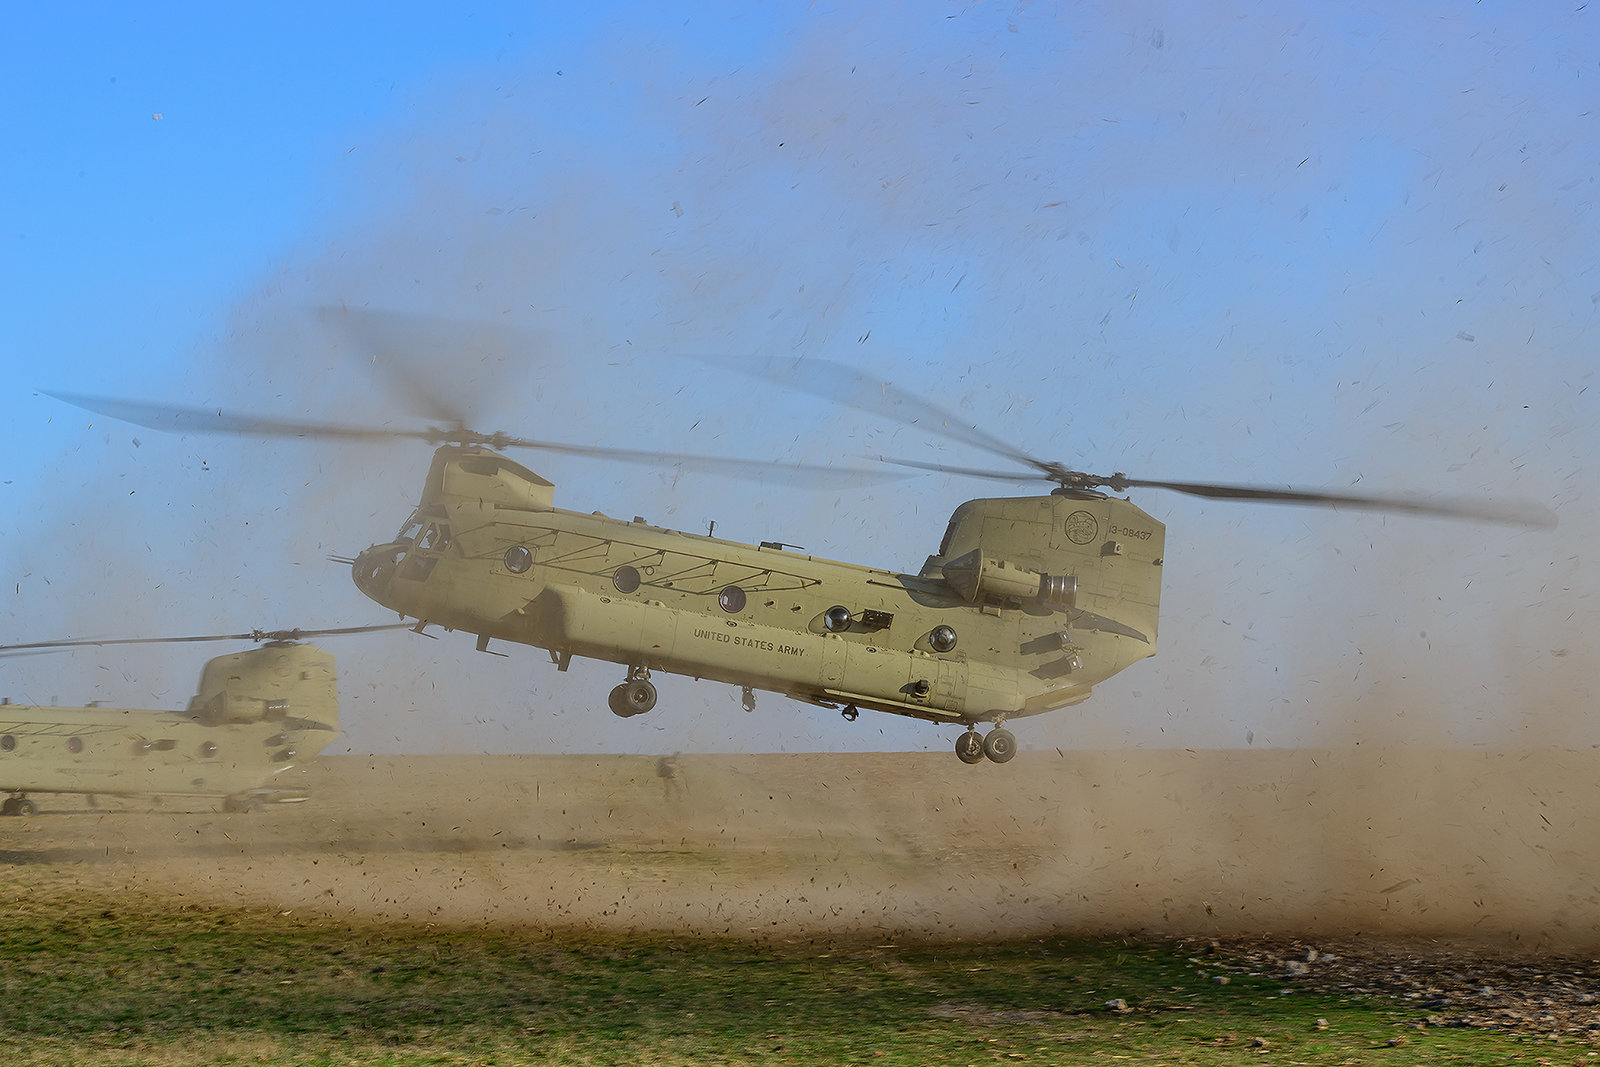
{"x": 257, "y": 714}
{"x": 1029, "y": 602}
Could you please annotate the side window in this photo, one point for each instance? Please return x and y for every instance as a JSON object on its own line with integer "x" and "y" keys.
{"x": 436, "y": 539}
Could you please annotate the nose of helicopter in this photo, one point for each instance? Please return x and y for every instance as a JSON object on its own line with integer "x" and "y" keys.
{"x": 374, "y": 569}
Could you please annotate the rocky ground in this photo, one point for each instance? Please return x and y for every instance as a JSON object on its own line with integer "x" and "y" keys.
{"x": 1465, "y": 884}
{"x": 1552, "y": 997}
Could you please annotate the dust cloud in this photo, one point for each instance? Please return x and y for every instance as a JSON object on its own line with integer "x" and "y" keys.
{"x": 1184, "y": 246}
{"x": 1478, "y": 846}
{"x": 1212, "y": 248}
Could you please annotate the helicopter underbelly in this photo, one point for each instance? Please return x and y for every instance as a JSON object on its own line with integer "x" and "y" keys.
{"x": 802, "y": 664}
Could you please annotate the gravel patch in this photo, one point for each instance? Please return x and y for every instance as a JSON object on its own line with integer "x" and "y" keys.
{"x": 1546, "y": 996}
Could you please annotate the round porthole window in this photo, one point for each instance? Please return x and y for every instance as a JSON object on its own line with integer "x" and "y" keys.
{"x": 208, "y": 749}
{"x": 943, "y": 639}
{"x": 732, "y": 599}
{"x": 518, "y": 560}
{"x": 74, "y": 745}
{"x": 836, "y": 619}
{"x": 8, "y": 743}
{"x": 626, "y": 579}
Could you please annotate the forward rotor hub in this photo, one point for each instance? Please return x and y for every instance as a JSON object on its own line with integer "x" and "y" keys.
{"x": 460, "y": 435}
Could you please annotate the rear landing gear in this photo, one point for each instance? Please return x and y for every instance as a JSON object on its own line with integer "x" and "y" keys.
{"x": 999, "y": 747}
{"x": 635, "y": 696}
{"x": 969, "y": 747}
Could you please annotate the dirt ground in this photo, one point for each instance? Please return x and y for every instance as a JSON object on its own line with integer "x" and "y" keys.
{"x": 1493, "y": 848}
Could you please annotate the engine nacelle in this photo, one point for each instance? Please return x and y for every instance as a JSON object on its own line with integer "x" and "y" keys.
{"x": 976, "y": 576}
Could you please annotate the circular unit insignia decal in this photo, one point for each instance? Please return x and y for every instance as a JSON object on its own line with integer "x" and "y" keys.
{"x": 1082, "y": 528}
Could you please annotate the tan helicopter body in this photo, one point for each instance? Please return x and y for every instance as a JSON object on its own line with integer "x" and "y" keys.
{"x": 1029, "y": 602}
{"x": 256, "y": 715}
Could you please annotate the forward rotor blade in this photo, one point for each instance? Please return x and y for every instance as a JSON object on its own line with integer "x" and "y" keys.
{"x": 295, "y": 635}
{"x": 804, "y": 475}
{"x": 254, "y": 635}
{"x": 175, "y": 419}
{"x": 1516, "y": 513}
{"x": 12, "y": 650}
{"x": 968, "y": 472}
{"x": 857, "y": 389}
{"x": 444, "y": 369}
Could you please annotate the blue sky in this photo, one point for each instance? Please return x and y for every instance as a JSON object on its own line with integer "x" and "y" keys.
{"x": 1320, "y": 245}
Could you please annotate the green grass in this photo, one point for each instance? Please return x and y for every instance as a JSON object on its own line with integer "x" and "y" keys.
{"x": 95, "y": 977}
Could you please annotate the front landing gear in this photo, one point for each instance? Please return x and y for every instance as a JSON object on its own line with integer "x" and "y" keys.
{"x": 19, "y": 806}
{"x": 635, "y": 696}
{"x": 1000, "y": 746}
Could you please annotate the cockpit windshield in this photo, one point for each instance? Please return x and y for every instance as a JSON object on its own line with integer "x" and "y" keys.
{"x": 413, "y": 526}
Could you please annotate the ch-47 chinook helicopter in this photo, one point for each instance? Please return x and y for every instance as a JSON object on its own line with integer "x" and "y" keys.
{"x": 1028, "y": 603}
{"x": 256, "y": 714}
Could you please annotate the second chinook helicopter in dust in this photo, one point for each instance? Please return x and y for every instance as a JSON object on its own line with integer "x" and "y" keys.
{"x": 255, "y": 716}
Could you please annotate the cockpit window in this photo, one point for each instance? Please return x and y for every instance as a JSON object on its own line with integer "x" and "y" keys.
{"x": 437, "y": 538}
{"x": 410, "y": 530}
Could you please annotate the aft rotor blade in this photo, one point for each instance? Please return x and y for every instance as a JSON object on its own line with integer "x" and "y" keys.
{"x": 857, "y": 389}
{"x": 254, "y": 635}
{"x": 1518, "y": 513}
{"x": 1515, "y": 513}
{"x": 804, "y": 475}
{"x": 175, "y": 419}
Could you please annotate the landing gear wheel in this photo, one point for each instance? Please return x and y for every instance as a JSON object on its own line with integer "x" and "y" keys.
{"x": 969, "y": 747}
{"x": 618, "y": 701}
{"x": 25, "y": 808}
{"x": 639, "y": 696}
{"x": 1000, "y": 745}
